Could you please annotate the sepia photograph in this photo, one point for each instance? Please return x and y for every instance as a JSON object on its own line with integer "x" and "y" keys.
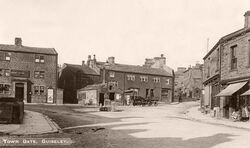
{"x": 125, "y": 73}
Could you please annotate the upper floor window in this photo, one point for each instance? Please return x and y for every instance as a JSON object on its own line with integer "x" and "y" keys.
{"x": 131, "y": 77}
{"x": 111, "y": 74}
{"x": 156, "y": 79}
{"x": 112, "y": 85}
{"x": 144, "y": 78}
{"x": 233, "y": 57}
{"x": 4, "y": 72}
{"x": 39, "y": 59}
{"x": 218, "y": 59}
{"x": 5, "y": 56}
{"x": 167, "y": 81}
{"x": 39, "y": 74}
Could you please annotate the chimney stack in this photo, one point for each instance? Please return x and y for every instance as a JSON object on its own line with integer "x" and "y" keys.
{"x": 247, "y": 19}
{"x": 89, "y": 59}
{"x": 18, "y": 41}
{"x": 111, "y": 60}
{"x": 83, "y": 63}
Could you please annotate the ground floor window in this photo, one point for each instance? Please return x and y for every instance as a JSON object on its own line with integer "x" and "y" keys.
{"x": 4, "y": 88}
{"x": 39, "y": 90}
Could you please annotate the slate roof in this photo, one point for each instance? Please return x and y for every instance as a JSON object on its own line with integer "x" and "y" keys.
{"x": 137, "y": 69}
{"x": 83, "y": 68}
{"x": 14, "y": 48}
{"x": 94, "y": 86}
{"x": 228, "y": 38}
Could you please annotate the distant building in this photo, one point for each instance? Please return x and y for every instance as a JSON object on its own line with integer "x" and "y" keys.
{"x": 192, "y": 82}
{"x": 145, "y": 81}
{"x": 179, "y": 82}
{"x": 28, "y": 73}
{"x": 188, "y": 83}
{"x": 226, "y": 71}
{"x": 114, "y": 81}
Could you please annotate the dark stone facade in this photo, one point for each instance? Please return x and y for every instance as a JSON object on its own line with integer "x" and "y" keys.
{"x": 74, "y": 77}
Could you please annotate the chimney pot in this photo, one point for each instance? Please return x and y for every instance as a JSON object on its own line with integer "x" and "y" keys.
{"x": 18, "y": 41}
{"x": 83, "y": 63}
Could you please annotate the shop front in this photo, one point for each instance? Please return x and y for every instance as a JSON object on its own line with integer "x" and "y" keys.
{"x": 231, "y": 99}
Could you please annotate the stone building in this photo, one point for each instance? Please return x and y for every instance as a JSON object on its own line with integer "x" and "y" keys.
{"x": 28, "y": 73}
{"x": 192, "y": 82}
{"x": 188, "y": 83}
{"x": 179, "y": 82}
{"x": 226, "y": 71}
{"x": 144, "y": 81}
{"x": 74, "y": 77}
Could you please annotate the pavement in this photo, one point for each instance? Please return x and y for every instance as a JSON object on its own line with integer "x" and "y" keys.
{"x": 33, "y": 123}
{"x": 194, "y": 114}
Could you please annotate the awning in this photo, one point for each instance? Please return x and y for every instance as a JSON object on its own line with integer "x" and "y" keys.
{"x": 231, "y": 89}
{"x": 246, "y": 93}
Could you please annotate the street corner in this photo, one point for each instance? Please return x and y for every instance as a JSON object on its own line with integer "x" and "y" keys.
{"x": 33, "y": 123}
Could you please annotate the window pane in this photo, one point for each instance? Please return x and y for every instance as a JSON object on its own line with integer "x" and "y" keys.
{"x": 36, "y": 74}
{"x": 37, "y": 58}
{"x": 41, "y": 90}
{"x": 7, "y": 56}
{"x": 7, "y": 72}
{"x": 36, "y": 90}
{"x": 42, "y": 74}
{"x": 42, "y": 59}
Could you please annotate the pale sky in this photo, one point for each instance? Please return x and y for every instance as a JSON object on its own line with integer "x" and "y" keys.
{"x": 129, "y": 30}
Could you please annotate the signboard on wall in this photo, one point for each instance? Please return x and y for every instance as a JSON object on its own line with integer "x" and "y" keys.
{"x": 20, "y": 73}
{"x": 50, "y": 96}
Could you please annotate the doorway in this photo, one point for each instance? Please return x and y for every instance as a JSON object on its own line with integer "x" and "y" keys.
{"x": 19, "y": 92}
{"x": 112, "y": 96}
{"x": 101, "y": 99}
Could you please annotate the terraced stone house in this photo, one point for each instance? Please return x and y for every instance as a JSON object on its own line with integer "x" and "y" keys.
{"x": 28, "y": 73}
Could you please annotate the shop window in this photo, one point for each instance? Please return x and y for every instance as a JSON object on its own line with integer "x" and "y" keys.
{"x": 4, "y": 88}
{"x": 39, "y": 90}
